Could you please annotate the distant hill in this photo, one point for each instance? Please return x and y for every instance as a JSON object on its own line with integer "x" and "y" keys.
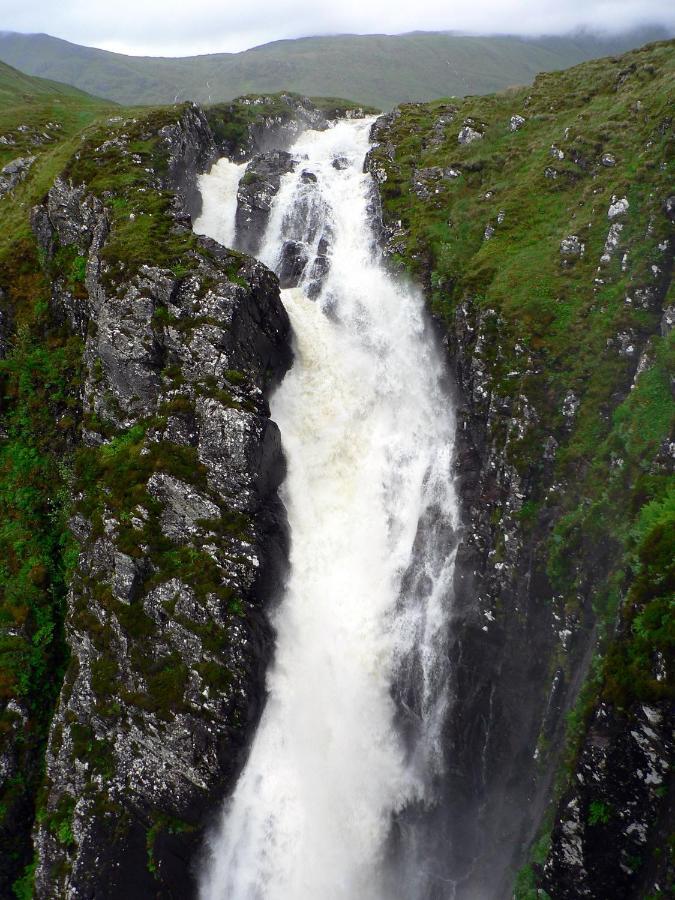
{"x": 17, "y": 88}
{"x": 381, "y": 70}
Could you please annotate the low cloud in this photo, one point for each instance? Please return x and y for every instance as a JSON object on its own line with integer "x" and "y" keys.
{"x": 173, "y": 27}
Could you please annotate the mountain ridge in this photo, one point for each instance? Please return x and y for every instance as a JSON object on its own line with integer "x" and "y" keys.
{"x": 379, "y": 70}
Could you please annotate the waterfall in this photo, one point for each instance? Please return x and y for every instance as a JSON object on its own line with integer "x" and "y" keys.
{"x": 350, "y": 737}
{"x": 219, "y": 201}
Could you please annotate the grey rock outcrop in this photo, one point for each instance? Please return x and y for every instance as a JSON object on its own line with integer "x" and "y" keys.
{"x": 611, "y": 243}
{"x": 166, "y": 618}
{"x": 14, "y": 172}
{"x": 467, "y": 135}
{"x": 618, "y": 207}
{"x": 571, "y": 247}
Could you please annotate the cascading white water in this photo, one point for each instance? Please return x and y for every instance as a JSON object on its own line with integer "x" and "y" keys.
{"x": 350, "y": 735}
{"x": 219, "y": 201}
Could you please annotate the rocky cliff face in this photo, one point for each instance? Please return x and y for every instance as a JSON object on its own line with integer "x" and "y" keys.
{"x": 534, "y": 242}
{"x": 178, "y": 529}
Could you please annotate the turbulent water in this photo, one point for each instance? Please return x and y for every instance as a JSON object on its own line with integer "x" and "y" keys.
{"x": 350, "y": 738}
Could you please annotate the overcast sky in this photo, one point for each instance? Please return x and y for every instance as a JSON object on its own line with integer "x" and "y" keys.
{"x": 183, "y": 27}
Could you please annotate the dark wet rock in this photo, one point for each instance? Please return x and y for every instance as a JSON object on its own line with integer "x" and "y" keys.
{"x": 191, "y": 150}
{"x": 256, "y": 192}
{"x": 6, "y": 327}
{"x": 294, "y": 259}
{"x": 609, "y": 817}
{"x": 317, "y": 275}
{"x": 308, "y": 177}
{"x": 669, "y": 208}
{"x": 340, "y": 163}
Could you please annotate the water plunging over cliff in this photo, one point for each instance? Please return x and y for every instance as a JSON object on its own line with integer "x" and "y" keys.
{"x": 351, "y": 734}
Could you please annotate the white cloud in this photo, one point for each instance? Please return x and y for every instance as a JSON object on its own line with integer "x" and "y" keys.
{"x": 174, "y": 27}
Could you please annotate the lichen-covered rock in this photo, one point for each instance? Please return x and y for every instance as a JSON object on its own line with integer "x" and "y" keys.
{"x": 14, "y": 172}
{"x": 609, "y": 816}
{"x": 440, "y": 127}
{"x": 179, "y": 532}
{"x": 611, "y": 242}
{"x": 467, "y": 135}
{"x": 516, "y": 123}
{"x": 572, "y": 247}
{"x": 667, "y": 320}
{"x": 618, "y": 207}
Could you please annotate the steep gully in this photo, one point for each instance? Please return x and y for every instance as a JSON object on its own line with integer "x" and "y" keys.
{"x": 338, "y": 796}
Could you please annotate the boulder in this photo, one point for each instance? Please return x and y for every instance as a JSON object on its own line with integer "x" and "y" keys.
{"x": 467, "y": 135}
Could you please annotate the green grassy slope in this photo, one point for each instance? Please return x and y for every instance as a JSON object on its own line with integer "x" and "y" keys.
{"x": 17, "y": 88}
{"x": 38, "y": 369}
{"x": 380, "y": 70}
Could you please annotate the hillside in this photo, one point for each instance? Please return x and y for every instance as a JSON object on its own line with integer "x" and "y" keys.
{"x": 380, "y": 70}
{"x": 41, "y": 123}
{"x": 541, "y": 224}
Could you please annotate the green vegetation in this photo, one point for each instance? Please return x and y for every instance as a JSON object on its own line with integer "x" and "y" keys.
{"x": 526, "y": 883}
{"x": 39, "y": 378}
{"x": 60, "y": 821}
{"x": 599, "y": 813}
{"x": 381, "y": 70}
{"x": 167, "y": 824}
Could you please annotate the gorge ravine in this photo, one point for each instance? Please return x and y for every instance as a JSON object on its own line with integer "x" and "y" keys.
{"x": 347, "y": 757}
